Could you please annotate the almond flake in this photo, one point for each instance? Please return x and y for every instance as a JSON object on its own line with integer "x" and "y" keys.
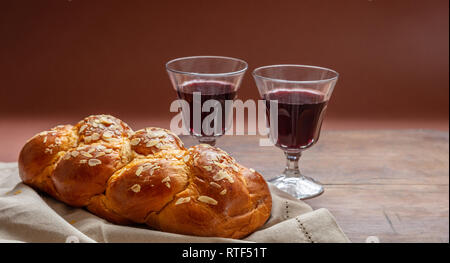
{"x": 87, "y": 139}
{"x": 48, "y": 150}
{"x": 224, "y": 192}
{"x": 82, "y": 128}
{"x": 221, "y": 165}
{"x": 167, "y": 179}
{"x": 167, "y": 184}
{"x": 139, "y": 171}
{"x": 45, "y": 139}
{"x": 83, "y": 161}
{"x": 74, "y": 153}
{"x": 157, "y": 134}
{"x": 223, "y": 175}
{"x": 207, "y": 200}
{"x": 135, "y": 141}
{"x": 104, "y": 120}
{"x": 91, "y": 150}
{"x": 235, "y": 168}
{"x": 95, "y": 136}
{"x": 186, "y": 158}
{"x": 101, "y": 147}
{"x": 148, "y": 165}
{"x": 207, "y": 168}
{"x": 163, "y": 146}
{"x": 85, "y": 154}
{"x": 152, "y": 170}
{"x": 215, "y": 184}
{"x": 251, "y": 170}
{"x": 108, "y": 150}
{"x": 152, "y": 143}
{"x": 94, "y": 162}
{"x": 100, "y": 154}
{"x": 219, "y": 157}
{"x": 136, "y": 188}
{"x": 183, "y": 200}
{"x": 58, "y": 141}
{"x": 107, "y": 135}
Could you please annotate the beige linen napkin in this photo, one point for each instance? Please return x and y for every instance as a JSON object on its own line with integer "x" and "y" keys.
{"x": 29, "y": 216}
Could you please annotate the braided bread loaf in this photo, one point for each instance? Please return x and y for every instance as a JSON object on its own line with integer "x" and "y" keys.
{"x": 147, "y": 177}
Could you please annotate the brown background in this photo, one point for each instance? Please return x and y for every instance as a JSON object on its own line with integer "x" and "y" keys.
{"x": 61, "y": 60}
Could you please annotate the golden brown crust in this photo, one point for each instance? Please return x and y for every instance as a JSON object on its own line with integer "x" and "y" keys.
{"x": 83, "y": 172}
{"x": 98, "y": 206}
{"x": 153, "y": 140}
{"x": 39, "y": 155}
{"x": 217, "y": 202}
{"x": 104, "y": 128}
{"x": 146, "y": 177}
{"x": 144, "y": 186}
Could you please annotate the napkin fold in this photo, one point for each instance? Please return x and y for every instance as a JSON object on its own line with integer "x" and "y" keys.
{"x": 30, "y": 216}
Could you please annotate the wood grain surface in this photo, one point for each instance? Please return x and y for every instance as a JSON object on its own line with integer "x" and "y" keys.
{"x": 390, "y": 184}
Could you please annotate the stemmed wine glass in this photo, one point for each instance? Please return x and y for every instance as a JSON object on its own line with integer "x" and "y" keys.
{"x": 206, "y": 83}
{"x": 299, "y": 96}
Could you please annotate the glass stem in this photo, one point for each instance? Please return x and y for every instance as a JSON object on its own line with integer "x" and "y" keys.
{"x": 292, "y": 169}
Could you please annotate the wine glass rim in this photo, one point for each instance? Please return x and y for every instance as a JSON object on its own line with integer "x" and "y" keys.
{"x": 207, "y": 74}
{"x": 255, "y": 74}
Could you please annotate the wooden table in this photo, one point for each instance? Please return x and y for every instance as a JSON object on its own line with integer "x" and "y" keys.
{"x": 389, "y": 184}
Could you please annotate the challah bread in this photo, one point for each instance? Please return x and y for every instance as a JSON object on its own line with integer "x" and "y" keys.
{"x": 146, "y": 177}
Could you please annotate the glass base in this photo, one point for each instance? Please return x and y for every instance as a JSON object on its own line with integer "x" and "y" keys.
{"x": 301, "y": 187}
{"x": 207, "y": 140}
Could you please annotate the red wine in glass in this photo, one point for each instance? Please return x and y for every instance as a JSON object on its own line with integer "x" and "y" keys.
{"x": 300, "y": 115}
{"x": 209, "y": 90}
{"x": 301, "y": 93}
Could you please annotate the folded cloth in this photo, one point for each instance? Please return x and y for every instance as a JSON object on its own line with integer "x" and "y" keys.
{"x": 30, "y": 216}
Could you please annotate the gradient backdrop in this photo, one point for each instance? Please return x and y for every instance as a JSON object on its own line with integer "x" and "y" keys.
{"x": 61, "y": 60}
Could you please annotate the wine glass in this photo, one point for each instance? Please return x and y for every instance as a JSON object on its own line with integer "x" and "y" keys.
{"x": 297, "y": 97}
{"x": 205, "y": 83}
